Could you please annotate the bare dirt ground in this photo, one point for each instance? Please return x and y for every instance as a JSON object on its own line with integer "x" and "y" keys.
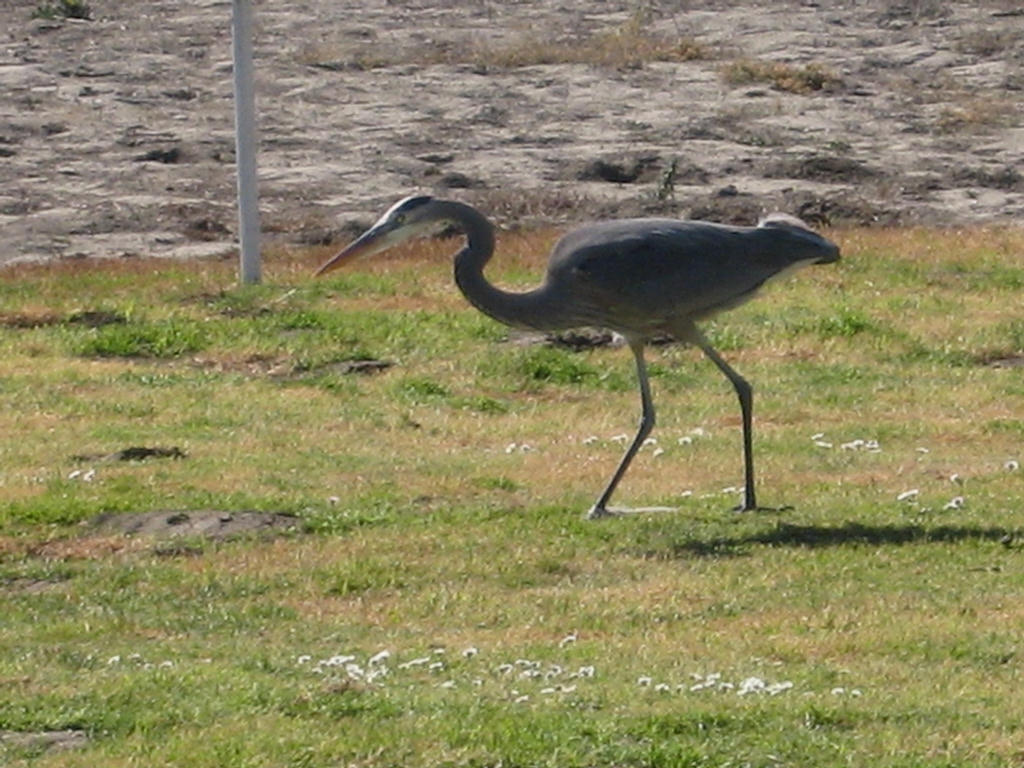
{"x": 116, "y": 133}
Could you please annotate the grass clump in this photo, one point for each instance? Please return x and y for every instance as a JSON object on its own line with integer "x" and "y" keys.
{"x": 63, "y": 9}
{"x": 781, "y": 76}
{"x": 628, "y": 46}
{"x": 161, "y": 339}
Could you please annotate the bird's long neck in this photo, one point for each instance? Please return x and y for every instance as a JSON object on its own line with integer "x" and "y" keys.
{"x": 537, "y": 309}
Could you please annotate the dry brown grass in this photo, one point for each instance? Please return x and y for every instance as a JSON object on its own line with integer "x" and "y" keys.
{"x": 627, "y": 47}
{"x": 781, "y": 76}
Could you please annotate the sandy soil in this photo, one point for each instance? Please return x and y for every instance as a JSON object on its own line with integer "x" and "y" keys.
{"x": 116, "y": 134}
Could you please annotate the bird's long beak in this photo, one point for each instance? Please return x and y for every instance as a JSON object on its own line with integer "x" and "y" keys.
{"x": 372, "y": 241}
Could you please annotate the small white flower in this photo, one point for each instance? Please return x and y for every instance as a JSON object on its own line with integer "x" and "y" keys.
{"x": 817, "y": 436}
{"x": 114, "y": 660}
{"x": 415, "y": 662}
{"x": 337, "y": 661}
{"x": 511, "y": 447}
{"x": 332, "y": 500}
{"x": 470, "y": 652}
{"x": 922, "y": 449}
{"x": 504, "y": 669}
{"x": 379, "y": 658}
{"x": 587, "y": 671}
{"x": 662, "y": 687}
{"x": 88, "y": 476}
{"x": 838, "y": 691}
{"x": 699, "y": 432}
{"x": 447, "y": 684}
{"x": 955, "y": 503}
{"x": 521, "y": 699}
{"x": 657, "y": 452}
{"x": 853, "y": 445}
{"x": 590, "y": 440}
{"x": 686, "y": 494}
{"x": 166, "y": 664}
{"x": 567, "y": 640}
{"x": 1012, "y": 465}
{"x": 643, "y": 681}
{"x": 685, "y": 440}
{"x": 650, "y": 441}
{"x": 822, "y": 444}
{"x": 751, "y": 685}
{"x": 525, "y": 448}
{"x": 776, "y": 688}
{"x": 621, "y": 439}
{"x": 730, "y": 489}
{"x": 955, "y": 478}
{"x": 304, "y": 659}
{"x": 908, "y": 495}
{"x": 74, "y": 473}
{"x": 437, "y": 666}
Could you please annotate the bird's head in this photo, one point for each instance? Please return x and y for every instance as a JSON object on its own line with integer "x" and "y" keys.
{"x": 415, "y": 216}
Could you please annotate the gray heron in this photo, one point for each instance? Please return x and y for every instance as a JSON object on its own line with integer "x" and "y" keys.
{"x": 638, "y": 277}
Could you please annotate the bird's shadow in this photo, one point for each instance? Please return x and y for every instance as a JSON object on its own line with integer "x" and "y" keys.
{"x": 845, "y": 534}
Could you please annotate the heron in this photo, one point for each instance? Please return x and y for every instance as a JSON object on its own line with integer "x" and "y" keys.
{"x": 640, "y": 277}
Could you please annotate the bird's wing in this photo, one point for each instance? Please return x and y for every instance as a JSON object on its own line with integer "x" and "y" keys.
{"x": 656, "y": 270}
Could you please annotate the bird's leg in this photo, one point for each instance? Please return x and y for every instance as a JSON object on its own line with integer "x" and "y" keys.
{"x": 746, "y": 395}
{"x": 600, "y": 508}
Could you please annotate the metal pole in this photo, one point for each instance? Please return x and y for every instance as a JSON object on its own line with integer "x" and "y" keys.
{"x": 245, "y": 142}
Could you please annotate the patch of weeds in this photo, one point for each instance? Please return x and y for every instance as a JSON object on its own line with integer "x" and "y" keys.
{"x": 844, "y": 324}
{"x": 918, "y": 351}
{"x": 987, "y": 42}
{"x": 421, "y": 389}
{"x": 481, "y": 404}
{"x": 496, "y": 484}
{"x": 975, "y": 113}
{"x": 358, "y": 575}
{"x": 1004, "y": 427}
{"x": 781, "y": 76}
{"x": 162, "y": 339}
{"x": 63, "y": 9}
{"x": 339, "y": 699}
{"x": 725, "y": 338}
{"x": 371, "y": 509}
{"x": 626, "y": 47}
{"x": 554, "y": 366}
{"x": 304, "y": 319}
{"x": 544, "y": 571}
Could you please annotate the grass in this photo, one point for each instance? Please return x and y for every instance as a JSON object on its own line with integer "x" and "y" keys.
{"x": 438, "y": 510}
{"x": 781, "y": 76}
{"x": 63, "y": 9}
{"x": 628, "y": 46}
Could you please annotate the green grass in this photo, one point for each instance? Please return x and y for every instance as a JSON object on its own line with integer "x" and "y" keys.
{"x": 439, "y": 508}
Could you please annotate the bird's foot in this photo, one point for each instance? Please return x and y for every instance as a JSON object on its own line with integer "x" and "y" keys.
{"x": 597, "y": 513}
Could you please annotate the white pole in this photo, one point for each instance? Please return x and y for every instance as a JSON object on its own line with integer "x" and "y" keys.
{"x": 245, "y": 142}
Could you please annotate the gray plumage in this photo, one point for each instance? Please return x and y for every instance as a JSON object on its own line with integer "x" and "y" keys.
{"x": 639, "y": 277}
